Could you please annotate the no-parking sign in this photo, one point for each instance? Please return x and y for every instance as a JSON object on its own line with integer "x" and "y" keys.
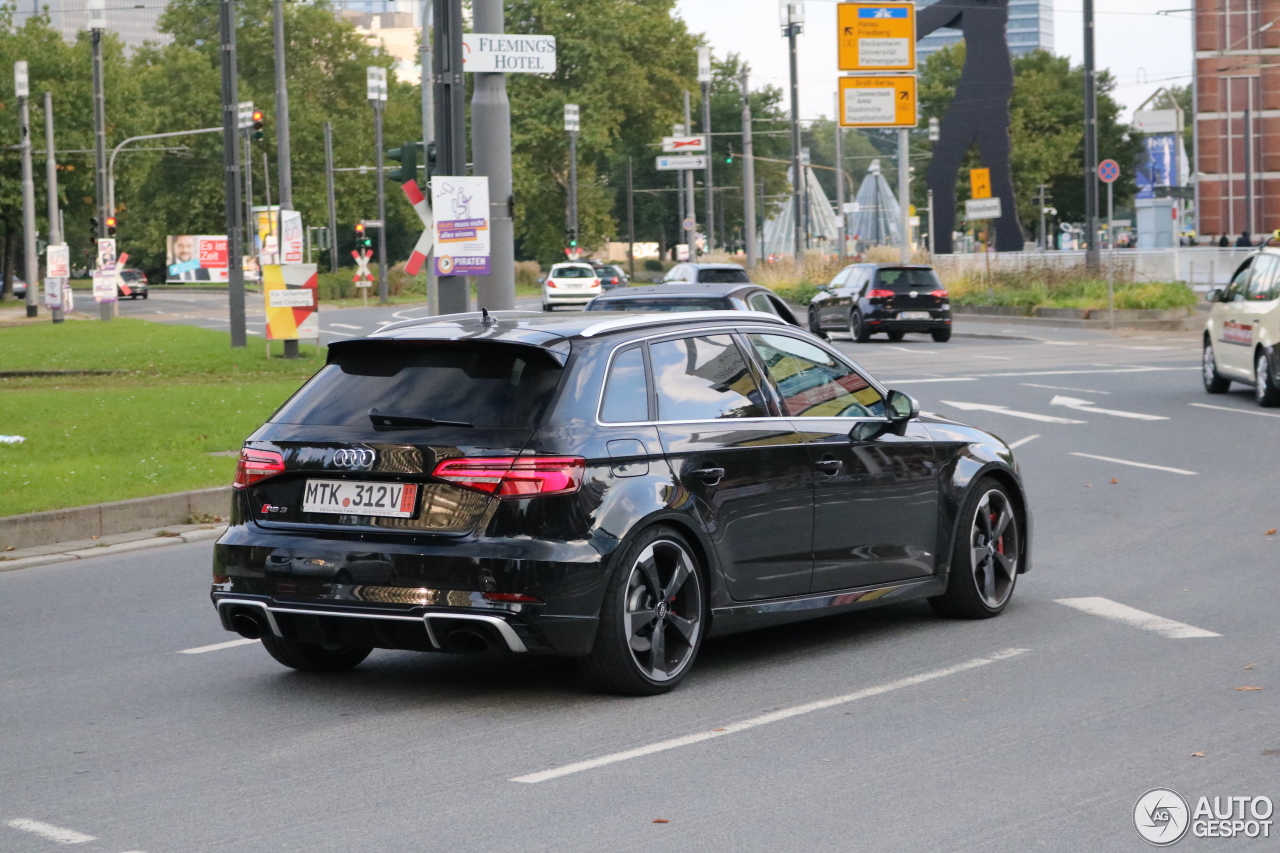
{"x": 1108, "y": 171}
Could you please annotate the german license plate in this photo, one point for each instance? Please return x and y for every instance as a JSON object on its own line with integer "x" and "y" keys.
{"x": 346, "y": 497}
{"x": 913, "y": 315}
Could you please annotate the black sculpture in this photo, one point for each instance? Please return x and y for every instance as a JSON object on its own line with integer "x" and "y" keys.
{"x": 978, "y": 113}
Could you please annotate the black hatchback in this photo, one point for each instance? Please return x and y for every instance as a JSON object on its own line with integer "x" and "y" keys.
{"x": 866, "y": 299}
{"x": 694, "y": 297}
{"x": 611, "y": 487}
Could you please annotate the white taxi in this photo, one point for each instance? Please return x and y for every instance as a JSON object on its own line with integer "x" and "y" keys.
{"x": 1243, "y": 328}
{"x": 570, "y": 284}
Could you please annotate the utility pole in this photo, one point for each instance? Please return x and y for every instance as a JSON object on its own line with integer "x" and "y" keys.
{"x": 376, "y": 82}
{"x": 330, "y": 197}
{"x": 1044, "y": 242}
{"x": 1248, "y": 172}
{"x": 51, "y": 183}
{"x": 792, "y": 25}
{"x": 748, "y": 176}
{"x": 425, "y": 54}
{"x": 451, "y": 120}
{"x": 98, "y": 23}
{"x": 679, "y": 130}
{"x": 284, "y": 167}
{"x": 245, "y": 121}
{"x": 691, "y": 210}
{"x": 631, "y": 223}
{"x": 31, "y": 262}
{"x": 904, "y": 192}
{"x": 839, "y": 132}
{"x": 1092, "y": 258}
{"x": 231, "y": 177}
{"x": 491, "y": 156}
{"x": 704, "y": 77}
{"x": 571, "y": 125}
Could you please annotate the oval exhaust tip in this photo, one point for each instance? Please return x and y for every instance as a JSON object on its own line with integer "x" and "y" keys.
{"x": 466, "y": 642}
{"x": 247, "y": 625}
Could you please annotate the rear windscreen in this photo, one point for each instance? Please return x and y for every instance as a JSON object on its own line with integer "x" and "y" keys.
{"x": 902, "y": 281}
{"x": 657, "y": 303}
{"x": 487, "y": 386}
{"x": 714, "y": 276}
{"x": 573, "y": 272}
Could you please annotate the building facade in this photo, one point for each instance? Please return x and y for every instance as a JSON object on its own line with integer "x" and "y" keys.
{"x": 1237, "y": 116}
{"x": 1030, "y": 28}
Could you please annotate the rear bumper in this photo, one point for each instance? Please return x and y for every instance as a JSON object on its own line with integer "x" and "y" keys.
{"x": 884, "y": 320}
{"x": 570, "y": 298}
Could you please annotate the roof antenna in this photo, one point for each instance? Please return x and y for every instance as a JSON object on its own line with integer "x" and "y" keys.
{"x": 485, "y": 319}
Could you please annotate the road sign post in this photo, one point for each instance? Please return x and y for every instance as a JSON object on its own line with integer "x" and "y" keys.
{"x": 1108, "y": 172}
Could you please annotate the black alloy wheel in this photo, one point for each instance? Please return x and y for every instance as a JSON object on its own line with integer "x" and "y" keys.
{"x": 651, "y": 623}
{"x": 1214, "y": 382}
{"x": 1264, "y": 387}
{"x": 314, "y": 657}
{"x": 858, "y": 327}
{"x": 986, "y": 555}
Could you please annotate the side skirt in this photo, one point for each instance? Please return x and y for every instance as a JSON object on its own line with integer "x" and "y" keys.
{"x": 762, "y": 614}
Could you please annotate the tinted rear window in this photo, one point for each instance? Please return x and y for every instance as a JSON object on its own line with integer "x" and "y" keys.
{"x": 488, "y": 386}
{"x": 714, "y": 276}
{"x": 573, "y": 272}
{"x": 901, "y": 281}
{"x": 658, "y": 303}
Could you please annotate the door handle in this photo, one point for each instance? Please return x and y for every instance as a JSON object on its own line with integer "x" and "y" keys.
{"x": 710, "y": 476}
{"x": 829, "y": 466}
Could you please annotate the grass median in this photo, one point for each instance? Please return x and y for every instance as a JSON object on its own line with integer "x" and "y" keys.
{"x": 176, "y": 395}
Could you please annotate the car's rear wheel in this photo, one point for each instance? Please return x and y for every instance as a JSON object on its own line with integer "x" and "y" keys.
{"x": 1214, "y": 382}
{"x": 985, "y": 557}
{"x": 314, "y": 657}
{"x": 941, "y": 336}
{"x": 1264, "y": 388}
{"x": 547, "y": 307}
{"x": 651, "y": 622}
{"x": 897, "y": 336}
{"x": 858, "y": 327}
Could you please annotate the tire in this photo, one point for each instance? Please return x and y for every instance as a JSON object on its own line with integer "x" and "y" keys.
{"x": 313, "y": 657}
{"x": 897, "y": 336}
{"x": 941, "y": 336}
{"x": 857, "y": 328}
{"x": 547, "y": 308}
{"x": 623, "y": 659}
{"x": 1214, "y": 382}
{"x": 985, "y": 557}
{"x": 814, "y": 325}
{"x": 145, "y": 295}
{"x": 1264, "y": 389}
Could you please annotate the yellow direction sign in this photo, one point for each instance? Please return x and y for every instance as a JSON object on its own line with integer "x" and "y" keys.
{"x": 876, "y": 36}
{"x": 980, "y": 183}
{"x": 880, "y": 101}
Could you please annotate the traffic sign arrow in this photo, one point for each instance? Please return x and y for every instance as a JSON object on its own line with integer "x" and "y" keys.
{"x": 1001, "y": 410}
{"x": 1087, "y": 406}
{"x": 428, "y": 238}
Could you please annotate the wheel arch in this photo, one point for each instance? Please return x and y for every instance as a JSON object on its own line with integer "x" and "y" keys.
{"x": 961, "y": 486}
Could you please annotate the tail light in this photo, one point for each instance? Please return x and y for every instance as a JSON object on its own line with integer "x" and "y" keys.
{"x": 941, "y": 294}
{"x": 511, "y": 597}
{"x": 551, "y": 282}
{"x": 595, "y": 282}
{"x": 515, "y": 476}
{"x": 256, "y": 465}
{"x": 613, "y": 280}
{"x": 879, "y": 294}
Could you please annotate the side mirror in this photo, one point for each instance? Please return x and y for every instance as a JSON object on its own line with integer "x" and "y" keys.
{"x": 902, "y": 409}
{"x": 1214, "y": 295}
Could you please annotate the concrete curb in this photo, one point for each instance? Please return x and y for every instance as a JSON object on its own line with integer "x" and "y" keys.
{"x": 1181, "y": 324}
{"x": 198, "y": 535}
{"x": 87, "y": 522}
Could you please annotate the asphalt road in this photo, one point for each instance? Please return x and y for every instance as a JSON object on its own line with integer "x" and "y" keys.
{"x": 1034, "y": 731}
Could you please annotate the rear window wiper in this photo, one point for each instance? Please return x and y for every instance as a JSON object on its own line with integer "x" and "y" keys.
{"x": 382, "y": 420}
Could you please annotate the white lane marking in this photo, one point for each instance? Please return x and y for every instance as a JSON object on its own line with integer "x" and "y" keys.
{"x": 1127, "y": 346}
{"x": 229, "y": 644}
{"x": 341, "y": 334}
{"x": 399, "y": 315}
{"x": 1138, "y": 464}
{"x": 1109, "y": 609}
{"x": 1066, "y": 372}
{"x": 51, "y": 832}
{"x": 1023, "y": 441}
{"x": 1001, "y": 410}
{"x": 912, "y": 349}
{"x": 1233, "y": 409}
{"x": 1065, "y": 343}
{"x": 1063, "y": 388}
{"x": 943, "y": 379}
{"x": 995, "y": 357}
{"x": 771, "y": 717}
{"x": 1087, "y": 406}
{"x": 346, "y": 326}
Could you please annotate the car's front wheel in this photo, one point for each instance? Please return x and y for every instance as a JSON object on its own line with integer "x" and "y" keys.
{"x": 1264, "y": 387}
{"x": 815, "y": 325}
{"x": 314, "y": 657}
{"x": 1214, "y": 382}
{"x": 985, "y": 557}
{"x": 651, "y": 622}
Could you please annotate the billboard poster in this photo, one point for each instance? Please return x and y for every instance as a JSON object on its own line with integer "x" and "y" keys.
{"x": 196, "y": 257}
{"x": 461, "y": 208}
{"x": 106, "y": 254}
{"x": 278, "y": 236}
{"x": 289, "y": 296}
{"x": 58, "y": 261}
{"x": 1159, "y": 167}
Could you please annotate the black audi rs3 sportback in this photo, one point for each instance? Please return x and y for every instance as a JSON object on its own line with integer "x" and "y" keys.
{"x": 613, "y": 487}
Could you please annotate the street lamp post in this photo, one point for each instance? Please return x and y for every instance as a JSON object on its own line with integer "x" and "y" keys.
{"x": 838, "y": 131}
{"x": 231, "y": 176}
{"x": 376, "y": 83}
{"x": 284, "y": 168}
{"x": 691, "y": 200}
{"x": 704, "y": 78}
{"x": 571, "y": 127}
{"x": 491, "y": 155}
{"x": 792, "y": 15}
{"x": 1092, "y": 258}
{"x": 98, "y": 23}
{"x": 51, "y": 182}
{"x": 748, "y": 176}
{"x": 22, "y": 89}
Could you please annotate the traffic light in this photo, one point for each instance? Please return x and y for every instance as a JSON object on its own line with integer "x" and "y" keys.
{"x": 362, "y": 237}
{"x": 571, "y": 237}
{"x": 93, "y": 229}
{"x": 257, "y": 124}
{"x": 430, "y": 159}
{"x": 407, "y": 156}
{"x": 728, "y": 160}
{"x": 111, "y": 226}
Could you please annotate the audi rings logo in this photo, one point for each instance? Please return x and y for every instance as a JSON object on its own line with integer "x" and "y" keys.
{"x": 360, "y": 458}
{"x": 1161, "y": 817}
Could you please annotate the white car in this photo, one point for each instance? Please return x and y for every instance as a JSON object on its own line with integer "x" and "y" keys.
{"x": 1242, "y": 335}
{"x": 569, "y": 284}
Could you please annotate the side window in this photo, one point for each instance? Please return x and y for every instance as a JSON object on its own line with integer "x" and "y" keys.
{"x": 760, "y": 302}
{"x": 841, "y": 278}
{"x": 626, "y": 391}
{"x": 813, "y": 384}
{"x": 704, "y": 378}
{"x": 1239, "y": 283}
{"x": 1263, "y": 279}
{"x": 857, "y": 280}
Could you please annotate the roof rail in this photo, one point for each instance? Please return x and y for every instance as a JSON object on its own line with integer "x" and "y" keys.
{"x": 680, "y": 317}
{"x": 469, "y": 315}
